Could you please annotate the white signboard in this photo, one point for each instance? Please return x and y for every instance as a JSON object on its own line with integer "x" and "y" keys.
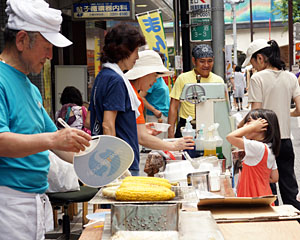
{"x": 200, "y": 17}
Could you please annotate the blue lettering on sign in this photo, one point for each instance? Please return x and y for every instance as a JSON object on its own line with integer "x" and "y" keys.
{"x": 153, "y": 24}
{"x": 160, "y": 43}
{"x": 105, "y": 163}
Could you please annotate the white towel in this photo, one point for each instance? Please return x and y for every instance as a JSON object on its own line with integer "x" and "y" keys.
{"x": 33, "y": 15}
{"x": 135, "y": 102}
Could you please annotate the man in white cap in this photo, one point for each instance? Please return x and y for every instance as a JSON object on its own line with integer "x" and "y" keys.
{"x": 203, "y": 60}
{"x": 26, "y": 131}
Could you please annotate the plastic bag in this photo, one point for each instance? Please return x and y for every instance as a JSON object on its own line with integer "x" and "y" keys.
{"x": 154, "y": 161}
{"x": 61, "y": 176}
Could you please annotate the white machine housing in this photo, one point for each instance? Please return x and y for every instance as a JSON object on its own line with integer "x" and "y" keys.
{"x": 212, "y": 106}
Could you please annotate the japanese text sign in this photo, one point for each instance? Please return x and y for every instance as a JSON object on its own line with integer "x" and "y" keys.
{"x": 94, "y": 10}
{"x": 152, "y": 28}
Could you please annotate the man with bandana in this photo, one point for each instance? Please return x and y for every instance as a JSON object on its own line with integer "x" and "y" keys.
{"x": 26, "y": 130}
{"x": 203, "y": 60}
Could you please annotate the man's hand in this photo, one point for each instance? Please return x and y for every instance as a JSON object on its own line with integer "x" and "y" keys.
{"x": 71, "y": 140}
{"x": 157, "y": 113}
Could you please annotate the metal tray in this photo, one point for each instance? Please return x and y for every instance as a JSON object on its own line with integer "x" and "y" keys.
{"x": 192, "y": 226}
{"x": 144, "y": 217}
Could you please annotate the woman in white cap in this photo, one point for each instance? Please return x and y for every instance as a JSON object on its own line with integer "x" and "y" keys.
{"x": 157, "y": 101}
{"x": 142, "y": 76}
{"x": 271, "y": 87}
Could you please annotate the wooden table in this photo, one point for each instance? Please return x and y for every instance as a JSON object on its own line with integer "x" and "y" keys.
{"x": 93, "y": 232}
{"x": 273, "y": 230}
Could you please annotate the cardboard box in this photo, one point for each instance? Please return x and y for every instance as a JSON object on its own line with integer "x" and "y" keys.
{"x": 235, "y": 209}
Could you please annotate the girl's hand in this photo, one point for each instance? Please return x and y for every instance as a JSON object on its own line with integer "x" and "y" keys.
{"x": 259, "y": 125}
{"x": 151, "y": 130}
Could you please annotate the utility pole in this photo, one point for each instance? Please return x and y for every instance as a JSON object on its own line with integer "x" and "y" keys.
{"x": 233, "y": 4}
{"x": 235, "y": 61}
{"x": 177, "y": 34}
{"x": 291, "y": 33}
{"x": 218, "y": 37}
{"x": 251, "y": 22}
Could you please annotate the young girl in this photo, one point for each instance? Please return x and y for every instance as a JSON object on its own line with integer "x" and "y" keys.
{"x": 260, "y": 138}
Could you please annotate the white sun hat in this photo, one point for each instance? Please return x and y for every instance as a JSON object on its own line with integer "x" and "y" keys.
{"x": 36, "y": 16}
{"x": 149, "y": 62}
{"x": 255, "y": 46}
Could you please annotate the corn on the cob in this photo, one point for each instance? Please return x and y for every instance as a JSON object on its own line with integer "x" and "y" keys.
{"x": 142, "y": 193}
{"x": 149, "y": 180}
{"x": 145, "y": 184}
{"x": 109, "y": 192}
{"x": 135, "y": 178}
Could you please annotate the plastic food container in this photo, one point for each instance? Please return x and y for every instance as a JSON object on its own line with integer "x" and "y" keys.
{"x": 162, "y": 127}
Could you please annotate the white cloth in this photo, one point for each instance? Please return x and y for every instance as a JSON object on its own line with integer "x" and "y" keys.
{"x": 36, "y": 16}
{"x": 254, "y": 151}
{"x": 25, "y": 216}
{"x": 135, "y": 102}
{"x": 33, "y": 15}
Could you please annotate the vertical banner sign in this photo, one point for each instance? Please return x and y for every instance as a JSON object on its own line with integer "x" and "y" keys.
{"x": 228, "y": 61}
{"x": 200, "y": 20}
{"x": 153, "y": 30}
{"x": 47, "y": 86}
{"x": 97, "y": 56}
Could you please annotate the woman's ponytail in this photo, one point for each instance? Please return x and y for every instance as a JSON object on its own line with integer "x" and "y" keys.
{"x": 274, "y": 55}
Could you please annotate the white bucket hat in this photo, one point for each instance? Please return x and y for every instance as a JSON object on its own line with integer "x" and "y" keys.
{"x": 255, "y": 46}
{"x": 149, "y": 62}
{"x": 36, "y": 16}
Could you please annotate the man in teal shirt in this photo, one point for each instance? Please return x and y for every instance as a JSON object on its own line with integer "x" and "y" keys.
{"x": 26, "y": 131}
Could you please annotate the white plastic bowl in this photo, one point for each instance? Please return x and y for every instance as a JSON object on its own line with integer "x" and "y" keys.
{"x": 162, "y": 127}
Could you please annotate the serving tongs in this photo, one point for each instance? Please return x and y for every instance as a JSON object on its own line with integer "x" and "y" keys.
{"x": 194, "y": 163}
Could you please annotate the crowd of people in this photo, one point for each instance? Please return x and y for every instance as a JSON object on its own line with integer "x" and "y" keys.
{"x": 128, "y": 81}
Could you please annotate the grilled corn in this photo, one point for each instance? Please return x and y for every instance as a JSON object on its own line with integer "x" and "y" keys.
{"x": 144, "y": 193}
{"x": 149, "y": 180}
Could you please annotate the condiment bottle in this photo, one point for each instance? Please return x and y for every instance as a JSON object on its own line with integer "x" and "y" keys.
{"x": 210, "y": 143}
{"x": 200, "y": 141}
{"x": 214, "y": 180}
{"x": 188, "y": 129}
{"x": 219, "y": 141}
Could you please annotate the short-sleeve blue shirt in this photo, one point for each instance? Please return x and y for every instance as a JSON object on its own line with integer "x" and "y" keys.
{"x": 109, "y": 93}
{"x": 22, "y": 111}
{"x": 158, "y": 97}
